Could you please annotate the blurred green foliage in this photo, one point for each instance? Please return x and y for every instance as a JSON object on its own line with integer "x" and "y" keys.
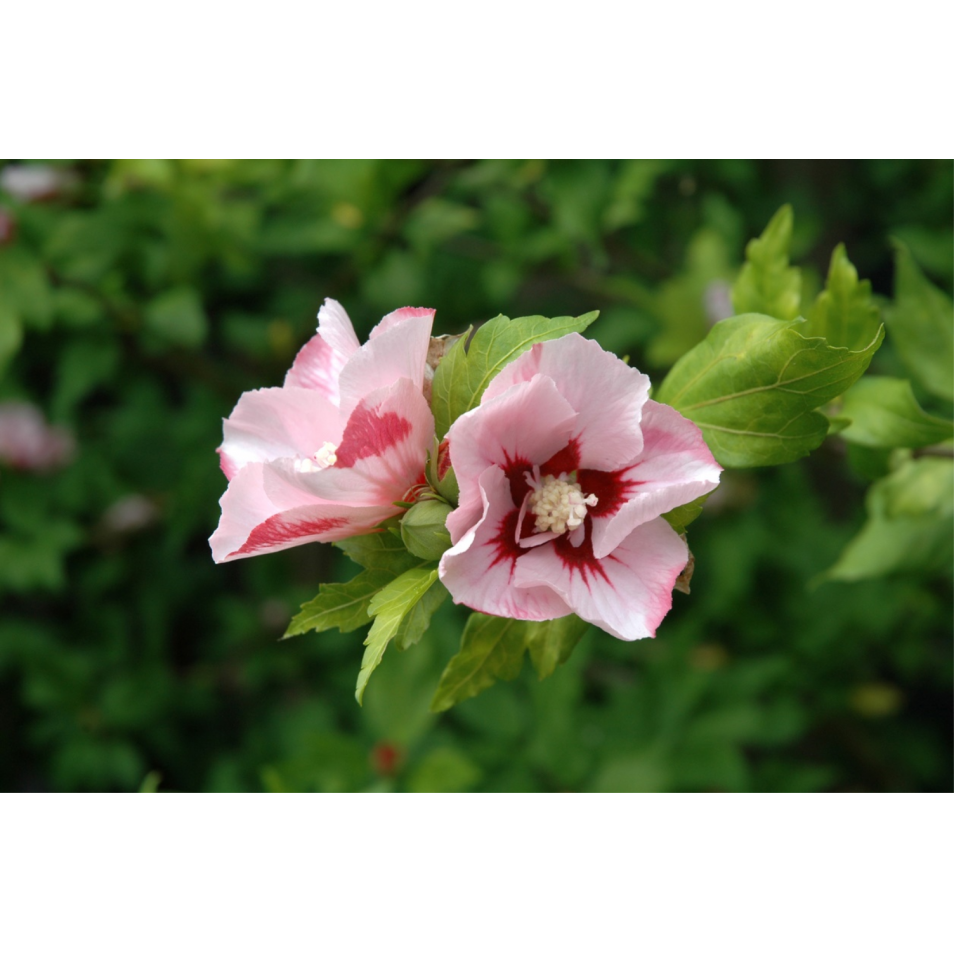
{"x": 138, "y": 302}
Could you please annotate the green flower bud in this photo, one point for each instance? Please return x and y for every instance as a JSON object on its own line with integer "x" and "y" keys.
{"x": 423, "y": 529}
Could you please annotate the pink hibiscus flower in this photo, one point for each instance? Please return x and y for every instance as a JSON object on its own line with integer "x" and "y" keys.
{"x": 564, "y": 471}
{"x": 327, "y": 455}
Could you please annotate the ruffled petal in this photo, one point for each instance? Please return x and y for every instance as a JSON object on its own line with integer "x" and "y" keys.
{"x": 399, "y": 351}
{"x": 674, "y": 468}
{"x": 479, "y": 570}
{"x": 317, "y": 367}
{"x": 396, "y": 317}
{"x": 523, "y": 426}
{"x": 335, "y": 327}
{"x": 271, "y": 423}
{"x": 251, "y": 523}
{"x": 627, "y": 593}
{"x": 606, "y": 393}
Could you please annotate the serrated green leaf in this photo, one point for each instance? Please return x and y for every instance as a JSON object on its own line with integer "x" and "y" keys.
{"x": 463, "y": 375}
{"x": 415, "y": 624}
{"x": 389, "y": 607}
{"x": 551, "y": 641}
{"x": 910, "y": 524}
{"x": 341, "y": 606}
{"x": 680, "y": 517}
{"x": 921, "y": 322}
{"x": 883, "y": 412}
{"x": 766, "y": 284}
{"x": 379, "y": 551}
{"x": 845, "y": 313}
{"x": 753, "y": 386}
{"x": 491, "y": 648}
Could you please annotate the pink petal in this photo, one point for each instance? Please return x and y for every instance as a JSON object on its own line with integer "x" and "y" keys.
{"x": 381, "y": 454}
{"x": 479, "y": 570}
{"x": 606, "y": 393}
{"x": 399, "y": 351}
{"x": 395, "y": 317}
{"x": 317, "y": 366}
{"x": 522, "y": 426}
{"x": 251, "y": 523}
{"x": 335, "y": 327}
{"x": 277, "y": 422}
{"x": 674, "y": 468}
{"x": 627, "y": 593}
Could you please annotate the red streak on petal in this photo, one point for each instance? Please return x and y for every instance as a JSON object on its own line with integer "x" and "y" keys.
{"x": 580, "y": 559}
{"x": 370, "y": 434}
{"x": 276, "y": 530}
{"x": 612, "y": 490}
{"x": 516, "y": 471}
{"x": 564, "y": 461}
{"x": 505, "y": 543}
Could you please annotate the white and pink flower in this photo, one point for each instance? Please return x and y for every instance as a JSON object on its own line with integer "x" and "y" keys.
{"x": 564, "y": 469}
{"x": 327, "y": 455}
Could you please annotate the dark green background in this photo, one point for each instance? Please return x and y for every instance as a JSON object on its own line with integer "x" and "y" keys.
{"x": 151, "y": 294}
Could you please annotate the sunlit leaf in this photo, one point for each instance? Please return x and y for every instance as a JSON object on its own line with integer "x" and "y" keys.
{"x": 883, "y": 412}
{"x": 767, "y": 284}
{"x": 754, "y": 384}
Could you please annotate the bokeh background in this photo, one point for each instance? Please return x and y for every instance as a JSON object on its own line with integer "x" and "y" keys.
{"x": 138, "y": 299}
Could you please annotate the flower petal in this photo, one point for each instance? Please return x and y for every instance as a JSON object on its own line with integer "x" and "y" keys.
{"x": 627, "y": 593}
{"x": 251, "y": 524}
{"x": 399, "y": 351}
{"x": 523, "y": 426}
{"x": 335, "y": 327}
{"x": 317, "y": 366}
{"x": 396, "y": 317}
{"x": 277, "y": 422}
{"x": 674, "y": 468}
{"x": 479, "y": 570}
{"x": 380, "y": 457}
{"x": 606, "y": 393}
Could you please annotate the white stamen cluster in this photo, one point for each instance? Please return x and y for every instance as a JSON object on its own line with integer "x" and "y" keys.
{"x": 559, "y": 505}
{"x": 322, "y": 458}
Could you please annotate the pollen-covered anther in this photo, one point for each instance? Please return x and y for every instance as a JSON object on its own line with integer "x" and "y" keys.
{"x": 324, "y": 457}
{"x": 559, "y": 505}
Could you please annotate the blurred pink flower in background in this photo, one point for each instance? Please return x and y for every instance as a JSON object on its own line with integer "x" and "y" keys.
{"x": 27, "y": 442}
{"x": 33, "y": 183}
{"x": 327, "y": 455}
{"x": 564, "y": 469}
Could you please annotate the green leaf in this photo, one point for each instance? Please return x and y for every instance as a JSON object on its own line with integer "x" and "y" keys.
{"x": 921, "y": 322}
{"x": 415, "y": 624}
{"x": 680, "y": 517}
{"x": 389, "y": 607}
{"x": 910, "y": 525}
{"x": 491, "y": 648}
{"x": 379, "y": 551}
{"x": 463, "y": 375}
{"x": 845, "y": 313}
{"x": 444, "y": 770}
{"x": 551, "y": 641}
{"x": 766, "y": 284}
{"x": 883, "y": 412}
{"x": 339, "y": 605}
{"x": 753, "y": 385}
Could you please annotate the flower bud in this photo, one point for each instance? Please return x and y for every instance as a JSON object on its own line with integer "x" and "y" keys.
{"x": 423, "y": 529}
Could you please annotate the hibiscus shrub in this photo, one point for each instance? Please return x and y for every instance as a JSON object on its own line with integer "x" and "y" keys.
{"x": 514, "y": 492}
